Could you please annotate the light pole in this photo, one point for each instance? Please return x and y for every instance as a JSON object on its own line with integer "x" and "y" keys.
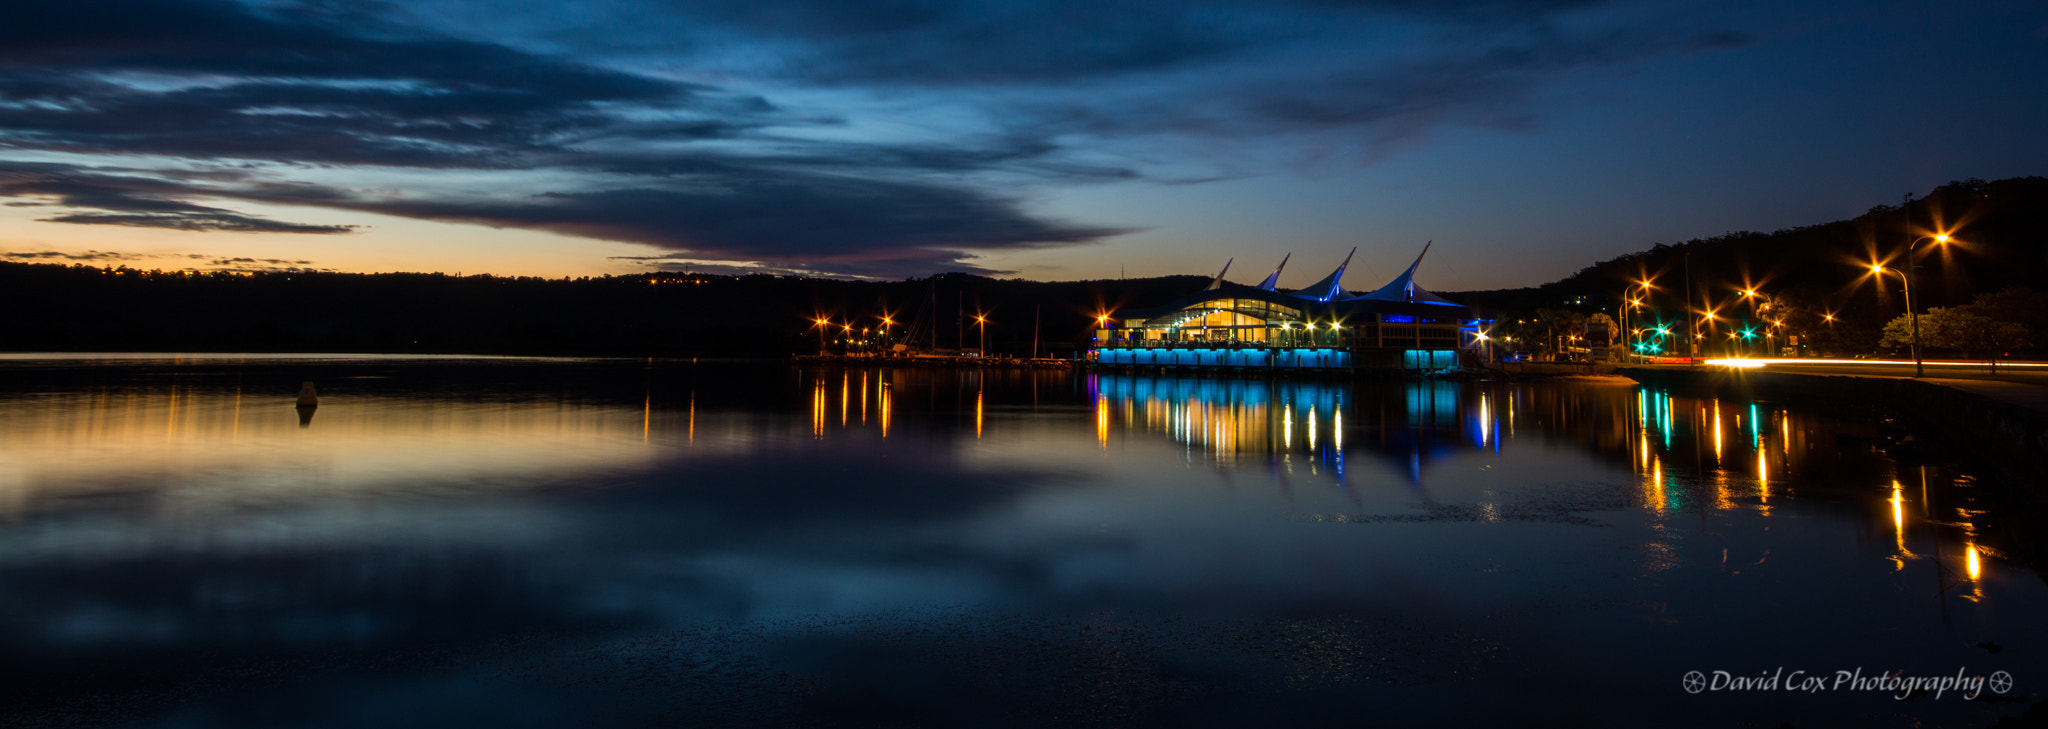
{"x": 1628, "y": 321}
{"x": 1708, "y": 318}
{"x": 1912, "y": 315}
{"x": 885, "y": 334}
{"x": 1749, "y": 335}
{"x": 822, "y": 326}
{"x": 981, "y": 323}
{"x": 1918, "y": 368}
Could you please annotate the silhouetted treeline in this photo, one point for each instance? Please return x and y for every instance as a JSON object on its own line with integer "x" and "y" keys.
{"x": 2000, "y": 232}
{"x": 82, "y": 308}
{"x": 2000, "y": 229}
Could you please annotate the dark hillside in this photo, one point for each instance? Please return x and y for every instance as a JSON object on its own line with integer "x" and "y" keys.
{"x": 2000, "y": 234}
{"x": 80, "y": 308}
{"x": 2000, "y": 229}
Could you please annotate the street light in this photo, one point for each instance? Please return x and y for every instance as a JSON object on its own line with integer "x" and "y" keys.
{"x": 1915, "y": 318}
{"x": 981, "y": 322}
{"x": 1747, "y": 340}
{"x": 1912, "y": 315}
{"x": 823, "y": 324}
{"x": 1628, "y": 315}
{"x": 1919, "y": 368}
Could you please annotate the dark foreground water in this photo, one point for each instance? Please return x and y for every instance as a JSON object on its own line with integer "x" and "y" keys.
{"x": 512, "y": 543}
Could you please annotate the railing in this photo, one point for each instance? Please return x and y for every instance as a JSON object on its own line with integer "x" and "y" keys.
{"x": 1222, "y": 344}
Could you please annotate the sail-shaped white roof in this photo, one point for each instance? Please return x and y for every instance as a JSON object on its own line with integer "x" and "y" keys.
{"x": 1331, "y": 288}
{"x": 1404, "y": 288}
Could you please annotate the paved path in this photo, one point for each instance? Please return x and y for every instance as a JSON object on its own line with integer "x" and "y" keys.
{"x": 2005, "y": 373}
{"x": 2025, "y": 387}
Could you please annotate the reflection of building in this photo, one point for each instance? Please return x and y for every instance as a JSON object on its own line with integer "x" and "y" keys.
{"x": 1397, "y": 326}
{"x": 1310, "y": 424}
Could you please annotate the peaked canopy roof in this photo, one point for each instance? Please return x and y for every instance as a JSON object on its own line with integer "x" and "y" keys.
{"x": 1404, "y": 288}
{"x": 1326, "y": 297}
{"x": 1331, "y": 288}
{"x": 1273, "y": 281}
{"x": 1218, "y": 283}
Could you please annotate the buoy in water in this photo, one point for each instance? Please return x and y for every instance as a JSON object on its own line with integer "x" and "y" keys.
{"x": 306, "y": 396}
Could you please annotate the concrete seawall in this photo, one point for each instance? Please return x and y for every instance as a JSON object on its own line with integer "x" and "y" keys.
{"x": 965, "y": 363}
{"x": 1552, "y": 369}
{"x": 1973, "y": 415}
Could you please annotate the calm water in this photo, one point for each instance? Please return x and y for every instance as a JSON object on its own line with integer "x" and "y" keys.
{"x": 523, "y": 543}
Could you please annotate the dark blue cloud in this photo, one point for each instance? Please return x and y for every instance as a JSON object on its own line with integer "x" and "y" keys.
{"x": 308, "y": 85}
{"x": 290, "y": 41}
{"x": 630, "y": 151}
{"x": 111, "y": 198}
{"x": 846, "y": 225}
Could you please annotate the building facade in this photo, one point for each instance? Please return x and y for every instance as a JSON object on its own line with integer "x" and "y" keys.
{"x": 1399, "y": 326}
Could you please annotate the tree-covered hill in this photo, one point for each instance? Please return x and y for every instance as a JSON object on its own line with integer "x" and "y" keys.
{"x": 2000, "y": 240}
{"x": 81, "y": 308}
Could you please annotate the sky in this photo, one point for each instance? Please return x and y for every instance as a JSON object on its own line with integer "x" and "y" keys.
{"x": 1052, "y": 140}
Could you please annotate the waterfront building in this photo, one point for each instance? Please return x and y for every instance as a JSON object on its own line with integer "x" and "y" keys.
{"x": 1398, "y": 326}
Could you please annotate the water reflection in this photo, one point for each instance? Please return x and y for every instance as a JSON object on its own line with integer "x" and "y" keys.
{"x": 1690, "y": 455}
{"x": 1324, "y": 542}
{"x": 60, "y": 446}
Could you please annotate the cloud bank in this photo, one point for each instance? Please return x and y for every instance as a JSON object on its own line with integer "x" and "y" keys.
{"x": 871, "y": 139}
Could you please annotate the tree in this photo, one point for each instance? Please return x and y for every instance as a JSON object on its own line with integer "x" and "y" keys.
{"x": 1558, "y": 327}
{"x": 2019, "y": 305}
{"x": 1958, "y": 328}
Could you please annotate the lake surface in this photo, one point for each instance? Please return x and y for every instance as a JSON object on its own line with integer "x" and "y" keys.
{"x": 543, "y": 543}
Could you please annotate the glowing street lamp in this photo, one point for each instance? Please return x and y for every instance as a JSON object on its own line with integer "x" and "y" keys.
{"x": 1751, "y": 295}
{"x": 823, "y": 324}
{"x": 1628, "y": 314}
{"x": 981, "y": 322}
{"x": 1880, "y": 270}
{"x": 1919, "y": 368}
